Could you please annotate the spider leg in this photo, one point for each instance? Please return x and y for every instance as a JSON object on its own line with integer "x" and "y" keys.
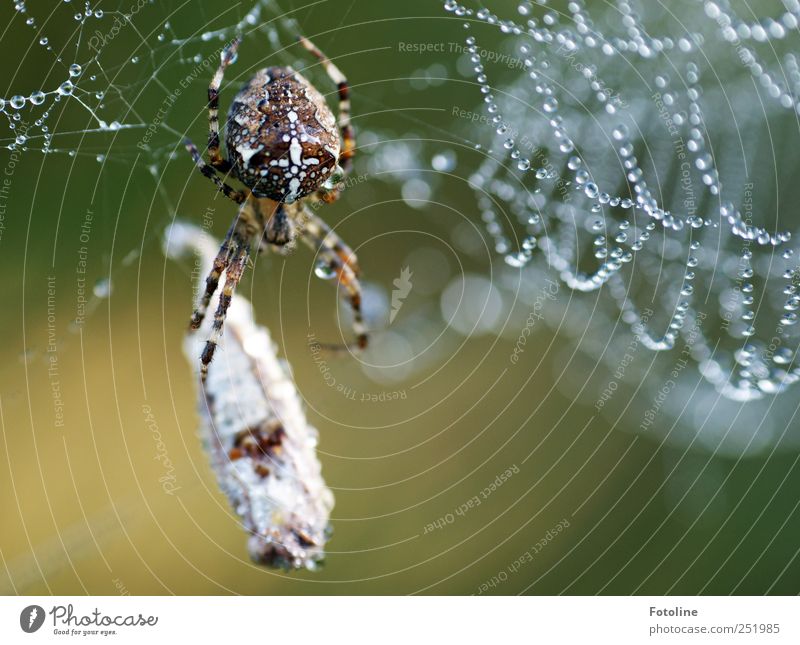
{"x": 245, "y": 227}
{"x": 345, "y": 126}
{"x": 208, "y": 171}
{"x": 233, "y": 275}
{"x": 221, "y": 262}
{"x": 226, "y": 58}
{"x": 346, "y": 278}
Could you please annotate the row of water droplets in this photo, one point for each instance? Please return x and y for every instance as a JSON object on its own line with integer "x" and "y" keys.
{"x": 737, "y": 31}
{"x": 14, "y": 107}
{"x": 754, "y": 372}
{"x": 85, "y": 76}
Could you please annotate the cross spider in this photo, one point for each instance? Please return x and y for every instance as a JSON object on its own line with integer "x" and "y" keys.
{"x": 284, "y": 146}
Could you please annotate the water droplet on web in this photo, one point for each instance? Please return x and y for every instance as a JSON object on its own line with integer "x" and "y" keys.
{"x": 550, "y": 104}
{"x": 324, "y": 271}
{"x": 37, "y": 98}
{"x": 695, "y": 221}
{"x": 17, "y": 102}
{"x": 518, "y": 260}
{"x": 65, "y": 89}
{"x": 620, "y": 132}
{"x": 74, "y": 70}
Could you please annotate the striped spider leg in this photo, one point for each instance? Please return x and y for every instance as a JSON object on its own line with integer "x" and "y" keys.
{"x": 340, "y": 259}
{"x": 244, "y": 233}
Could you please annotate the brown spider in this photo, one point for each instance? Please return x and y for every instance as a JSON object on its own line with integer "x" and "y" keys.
{"x": 284, "y": 146}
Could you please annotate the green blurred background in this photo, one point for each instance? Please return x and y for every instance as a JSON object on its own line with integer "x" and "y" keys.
{"x": 83, "y": 510}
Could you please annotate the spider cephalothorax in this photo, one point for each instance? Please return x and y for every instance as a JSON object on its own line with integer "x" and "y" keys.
{"x": 281, "y": 136}
{"x": 284, "y": 146}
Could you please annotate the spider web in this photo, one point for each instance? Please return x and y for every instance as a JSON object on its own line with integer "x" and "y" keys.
{"x": 94, "y": 71}
{"x": 630, "y": 163}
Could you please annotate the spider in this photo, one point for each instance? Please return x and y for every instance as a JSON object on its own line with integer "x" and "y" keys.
{"x": 284, "y": 146}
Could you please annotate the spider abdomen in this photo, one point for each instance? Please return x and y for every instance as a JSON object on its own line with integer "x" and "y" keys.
{"x": 281, "y": 136}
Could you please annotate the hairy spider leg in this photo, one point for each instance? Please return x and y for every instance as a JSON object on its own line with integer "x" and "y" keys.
{"x": 345, "y": 275}
{"x": 221, "y": 262}
{"x": 227, "y": 57}
{"x": 345, "y": 127}
{"x": 245, "y": 227}
{"x": 233, "y": 274}
{"x": 208, "y": 171}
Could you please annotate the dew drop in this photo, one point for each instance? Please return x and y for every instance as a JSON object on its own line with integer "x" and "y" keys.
{"x": 550, "y": 104}
{"x": 591, "y": 190}
{"x": 324, "y": 271}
